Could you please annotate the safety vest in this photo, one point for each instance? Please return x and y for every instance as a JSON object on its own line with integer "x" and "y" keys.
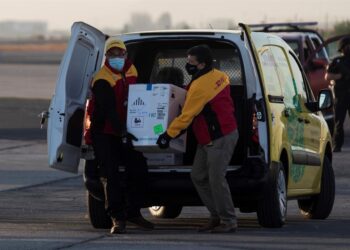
{"x": 119, "y": 81}
{"x": 209, "y": 106}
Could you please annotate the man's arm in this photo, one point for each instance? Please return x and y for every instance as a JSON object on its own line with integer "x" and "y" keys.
{"x": 105, "y": 99}
{"x": 332, "y": 77}
{"x": 195, "y": 101}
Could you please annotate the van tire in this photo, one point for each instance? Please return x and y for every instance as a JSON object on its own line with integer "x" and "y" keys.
{"x": 165, "y": 212}
{"x": 97, "y": 213}
{"x": 320, "y": 206}
{"x": 272, "y": 208}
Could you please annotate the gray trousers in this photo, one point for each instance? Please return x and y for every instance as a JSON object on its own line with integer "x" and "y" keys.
{"x": 209, "y": 176}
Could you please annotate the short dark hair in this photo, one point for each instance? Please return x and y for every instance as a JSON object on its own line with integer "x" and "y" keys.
{"x": 203, "y": 54}
{"x": 343, "y": 42}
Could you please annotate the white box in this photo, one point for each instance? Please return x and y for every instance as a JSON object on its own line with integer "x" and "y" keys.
{"x": 164, "y": 159}
{"x": 151, "y": 108}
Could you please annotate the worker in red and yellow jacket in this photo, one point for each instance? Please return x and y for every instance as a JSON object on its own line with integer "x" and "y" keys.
{"x": 209, "y": 107}
{"x": 112, "y": 143}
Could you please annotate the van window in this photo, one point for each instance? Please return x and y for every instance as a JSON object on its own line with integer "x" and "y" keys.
{"x": 227, "y": 60}
{"x": 269, "y": 68}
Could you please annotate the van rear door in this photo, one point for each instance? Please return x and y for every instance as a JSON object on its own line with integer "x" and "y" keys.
{"x": 81, "y": 60}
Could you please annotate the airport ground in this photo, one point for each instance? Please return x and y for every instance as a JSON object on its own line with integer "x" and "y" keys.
{"x": 42, "y": 208}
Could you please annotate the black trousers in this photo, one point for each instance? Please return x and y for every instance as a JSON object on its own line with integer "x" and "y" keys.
{"x": 342, "y": 107}
{"x": 124, "y": 193}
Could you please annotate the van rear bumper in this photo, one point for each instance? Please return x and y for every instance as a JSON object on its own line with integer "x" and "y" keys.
{"x": 174, "y": 187}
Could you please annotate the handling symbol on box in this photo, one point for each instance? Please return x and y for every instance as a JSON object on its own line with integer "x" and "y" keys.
{"x": 137, "y": 122}
{"x": 138, "y": 102}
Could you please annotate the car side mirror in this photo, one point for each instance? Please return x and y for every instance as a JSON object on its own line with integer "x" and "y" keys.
{"x": 325, "y": 99}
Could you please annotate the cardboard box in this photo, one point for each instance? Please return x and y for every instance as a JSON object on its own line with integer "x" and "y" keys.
{"x": 151, "y": 108}
{"x": 164, "y": 159}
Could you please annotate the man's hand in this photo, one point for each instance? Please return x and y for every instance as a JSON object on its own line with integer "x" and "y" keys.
{"x": 164, "y": 140}
{"x": 332, "y": 76}
{"x": 127, "y": 139}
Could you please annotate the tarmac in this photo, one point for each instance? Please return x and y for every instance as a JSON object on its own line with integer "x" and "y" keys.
{"x": 25, "y": 91}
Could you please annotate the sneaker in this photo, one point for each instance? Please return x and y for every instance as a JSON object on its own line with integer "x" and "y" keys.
{"x": 225, "y": 228}
{"x": 337, "y": 149}
{"x": 213, "y": 222}
{"x": 119, "y": 226}
{"x": 141, "y": 222}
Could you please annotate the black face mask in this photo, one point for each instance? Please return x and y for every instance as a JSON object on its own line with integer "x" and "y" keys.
{"x": 191, "y": 69}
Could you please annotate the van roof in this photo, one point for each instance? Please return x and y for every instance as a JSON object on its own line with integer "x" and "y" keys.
{"x": 184, "y": 32}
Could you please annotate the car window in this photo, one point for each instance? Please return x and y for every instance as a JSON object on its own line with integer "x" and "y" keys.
{"x": 227, "y": 60}
{"x": 285, "y": 75}
{"x": 298, "y": 78}
{"x": 322, "y": 52}
{"x": 269, "y": 71}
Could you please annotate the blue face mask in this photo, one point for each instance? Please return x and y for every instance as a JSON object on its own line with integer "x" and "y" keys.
{"x": 117, "y": 63}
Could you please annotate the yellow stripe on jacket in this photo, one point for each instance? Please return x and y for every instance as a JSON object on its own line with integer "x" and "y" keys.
{"x": 202, "y": 90}
{"x": 106, "y": 74}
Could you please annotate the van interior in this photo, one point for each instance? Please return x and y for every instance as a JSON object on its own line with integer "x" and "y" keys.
{"x": 163, "y": 61}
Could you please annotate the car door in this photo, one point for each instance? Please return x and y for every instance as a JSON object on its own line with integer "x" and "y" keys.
{"x": 292, "y": 120}
{"x": 81, "y": 60}
{"x": 307, "y": 176}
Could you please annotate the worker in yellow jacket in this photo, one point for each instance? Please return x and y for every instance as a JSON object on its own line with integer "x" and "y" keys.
{"x": 209, "y": 107}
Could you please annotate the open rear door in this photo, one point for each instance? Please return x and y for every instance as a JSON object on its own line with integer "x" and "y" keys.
{"x": 83, "y": 57}
{"x": 254, "y": 41}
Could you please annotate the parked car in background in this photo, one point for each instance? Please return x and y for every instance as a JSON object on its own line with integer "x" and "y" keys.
{"x": 284, "y": 149}
{"x": 308, "y": 45}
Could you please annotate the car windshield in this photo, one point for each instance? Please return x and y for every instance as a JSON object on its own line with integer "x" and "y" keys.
{"x": 294, "y": 45}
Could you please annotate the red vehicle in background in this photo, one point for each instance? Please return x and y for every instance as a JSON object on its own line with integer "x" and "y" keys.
{"x": 310, "y": 48}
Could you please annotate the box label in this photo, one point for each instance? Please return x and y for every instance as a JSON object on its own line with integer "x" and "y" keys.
{"x": 158, "y": 129}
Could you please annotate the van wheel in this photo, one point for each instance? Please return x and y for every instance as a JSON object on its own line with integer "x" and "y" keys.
{"x": 320, "y": 206}
{"x": 165, "y": 212}
{"x": 97, "y": 213}
{"x": 272, "y": 209}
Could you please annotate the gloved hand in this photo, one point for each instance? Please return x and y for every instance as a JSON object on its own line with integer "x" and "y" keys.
{"x": 127, "y": 139}
{"x": 164, "y": 140}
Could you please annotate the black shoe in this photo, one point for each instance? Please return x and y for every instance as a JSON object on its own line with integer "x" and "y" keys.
{"x": 225, "y": 228}
{"x": 213, "y": 222}
{"x": 337, "y": 149}
{"x": 141, "y": 222}
{"x": 119, "y": 226}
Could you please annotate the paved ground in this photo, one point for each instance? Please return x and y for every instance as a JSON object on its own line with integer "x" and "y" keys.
{"x": 31, "y": 81}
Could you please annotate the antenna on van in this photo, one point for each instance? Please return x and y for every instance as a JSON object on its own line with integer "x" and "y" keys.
{"x": 211, "y": 27}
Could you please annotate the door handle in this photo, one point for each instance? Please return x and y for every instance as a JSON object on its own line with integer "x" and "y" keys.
{"x": 306, "y": 121}
{"x": 286, "y": 112}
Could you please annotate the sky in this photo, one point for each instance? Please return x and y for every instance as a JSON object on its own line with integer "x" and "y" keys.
{"x": 60, "y": 14}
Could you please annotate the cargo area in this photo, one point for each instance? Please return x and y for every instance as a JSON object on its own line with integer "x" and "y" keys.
{"x": 163, "y": 61}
